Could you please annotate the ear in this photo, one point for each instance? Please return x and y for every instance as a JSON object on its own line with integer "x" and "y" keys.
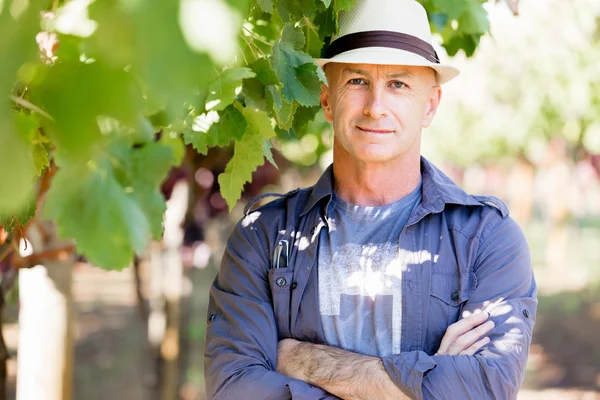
{"x": 326, "y": 104}
{"x": 431, "y": 106}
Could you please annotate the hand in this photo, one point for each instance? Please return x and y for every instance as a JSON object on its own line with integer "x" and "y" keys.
{"x": 463, "y": 337}
{"x": 286, "y": 349}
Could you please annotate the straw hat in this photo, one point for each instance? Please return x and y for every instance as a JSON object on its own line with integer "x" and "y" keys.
{"x": 392, "y": 32}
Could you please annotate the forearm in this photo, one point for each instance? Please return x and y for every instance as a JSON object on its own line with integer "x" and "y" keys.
{"x": 258, "y": 383}
{"x": 345, "y": 374}
{"x": 494, "y": 372}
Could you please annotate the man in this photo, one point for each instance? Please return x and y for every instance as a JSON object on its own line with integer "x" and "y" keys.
{"x": 384, "y": 280}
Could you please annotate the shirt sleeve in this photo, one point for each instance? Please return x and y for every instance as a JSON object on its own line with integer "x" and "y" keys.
{"x": 506, "y": 288}
{"x": 241, "y": 337}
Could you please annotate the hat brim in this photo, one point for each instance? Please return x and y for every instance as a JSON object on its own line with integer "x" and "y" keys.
{"x": 388, "y": 56}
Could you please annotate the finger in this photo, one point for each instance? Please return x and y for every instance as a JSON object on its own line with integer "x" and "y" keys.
{"x": 475, "y": 346}
{"x": 468, "y": 339}
{"x": 461, "y": 327}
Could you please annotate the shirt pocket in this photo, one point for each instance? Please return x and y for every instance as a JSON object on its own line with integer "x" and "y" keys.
{"x": 446, "y": 298}
{"x": 281, "y": 284}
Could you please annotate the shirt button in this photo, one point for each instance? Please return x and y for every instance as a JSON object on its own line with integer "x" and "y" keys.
{"x": 281, "y": 282}
{"x": 526, "y": 313}
{"x": 312, "y": 230}
{"x": 454, "y": 295}
{"x": 212, "y": 317}
{"x": 294, "y": 285}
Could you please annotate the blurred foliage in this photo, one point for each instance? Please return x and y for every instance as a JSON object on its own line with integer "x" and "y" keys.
{"x": 536, "y": 77}
{"x": 88, "y": 85}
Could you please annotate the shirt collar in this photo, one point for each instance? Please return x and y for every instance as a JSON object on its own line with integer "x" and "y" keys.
{"x": 322, "y": 189}
{"x": 437, "y": 190}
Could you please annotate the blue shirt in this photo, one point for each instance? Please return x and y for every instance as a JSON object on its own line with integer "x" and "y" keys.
{"x": 463, "y": 253}
{"x": 360, "y": 275}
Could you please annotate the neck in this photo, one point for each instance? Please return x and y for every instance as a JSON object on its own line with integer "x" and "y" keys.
{"x": 367, "y": 184}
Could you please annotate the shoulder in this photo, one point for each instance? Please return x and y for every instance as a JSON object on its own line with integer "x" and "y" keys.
{"x": 480, "y": 217}
{"x": 265, "y": 220}
{"x": 281, "y": 203}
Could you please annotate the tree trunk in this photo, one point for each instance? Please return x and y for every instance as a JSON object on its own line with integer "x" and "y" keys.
{"x": 45, "y": 355}
{"x": 166, "y": 274}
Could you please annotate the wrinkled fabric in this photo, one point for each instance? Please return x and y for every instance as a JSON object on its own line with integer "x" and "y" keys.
{"x": 460, "y": 253}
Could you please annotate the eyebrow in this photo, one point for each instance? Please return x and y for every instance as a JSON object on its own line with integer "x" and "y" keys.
{"x": 403, "y": 74}
{"x": 394, "y": 75}
{"x": 351, "y": 70}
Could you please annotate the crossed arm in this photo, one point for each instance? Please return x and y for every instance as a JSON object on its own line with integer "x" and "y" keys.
{"x": 359, "y": 377}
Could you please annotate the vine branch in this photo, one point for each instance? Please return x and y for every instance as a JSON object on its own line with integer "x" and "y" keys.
{"x": 32, "y": 260}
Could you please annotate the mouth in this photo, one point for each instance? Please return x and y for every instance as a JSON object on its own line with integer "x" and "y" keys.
{"x": 374, "y": 131}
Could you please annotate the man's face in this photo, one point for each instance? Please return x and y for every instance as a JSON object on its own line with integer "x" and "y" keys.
{"x": 377, "y": 111}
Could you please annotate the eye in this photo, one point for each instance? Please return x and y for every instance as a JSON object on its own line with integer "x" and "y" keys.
{"x": 398, "y": 84}
{"x": 357, "y": 81}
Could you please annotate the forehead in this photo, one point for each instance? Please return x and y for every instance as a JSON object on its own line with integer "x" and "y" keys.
{"x": 336, "y": 70}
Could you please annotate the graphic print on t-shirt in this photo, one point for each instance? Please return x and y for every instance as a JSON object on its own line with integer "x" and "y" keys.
{"x": 360, "y": 275}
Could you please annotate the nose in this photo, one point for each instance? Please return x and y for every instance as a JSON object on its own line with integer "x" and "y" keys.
{"x": 375, "y": 104}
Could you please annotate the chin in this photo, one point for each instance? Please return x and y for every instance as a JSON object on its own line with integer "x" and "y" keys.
{"x": 380, "y": 156}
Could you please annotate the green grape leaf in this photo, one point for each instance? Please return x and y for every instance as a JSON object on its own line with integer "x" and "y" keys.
{"x": 341, "y": 5}
{"x": 282, "y": 109}
{"x": 266, "y": 5}
{"x": 302, "y": 118}
{"x": 242, "y": 6}
{"x": 24, "y": 213}
{"x": 300, "y": 82}
{"x": 149, "y": 167}
{"x": 222, "y": 91}
{"x": 248, "y": 155}
{"x": 140, "y": 169}
{"x": 293, "y": 36}
{"x": 306, "y": 73}
{"x": 28, "y": 128}
{"x": 258, "y": 122}
{"x": 264, "y": 72}
{"x": 254, "y": 93}
{"x": 140, "y": 35}
{"x": 294, "y": 10}
{"x": 16, "y": 160}
{"x": 76, "y": 94}
{"x": 112, "y": 206}
{"x": 174, "y": 141}
{"x": 17, "y": 44}
{"x": 438, "y": 20}
{"x": 39, "y": 153}
{"x": 474, "y": 21}
{"x": 231, "y": 125}
{"x": 313, "y": 41}
{"x": 452, "y": 8}
{"x": 326, "y": 22}
{"x": 91, "y": 206}
{"x": 144, "y": 131}
{"x": 468, "y": 43}
{"x": 267, "y": 146}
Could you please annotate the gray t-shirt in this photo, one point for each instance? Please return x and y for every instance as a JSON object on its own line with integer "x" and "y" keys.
{"x": 360, "y": 275}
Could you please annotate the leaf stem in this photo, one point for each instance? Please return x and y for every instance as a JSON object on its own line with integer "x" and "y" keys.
{"x": 249, "y": 46}
{"x": 47, "y": 255}
{"x": 30, "y": 106}
{"x": 255, "y": 36}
